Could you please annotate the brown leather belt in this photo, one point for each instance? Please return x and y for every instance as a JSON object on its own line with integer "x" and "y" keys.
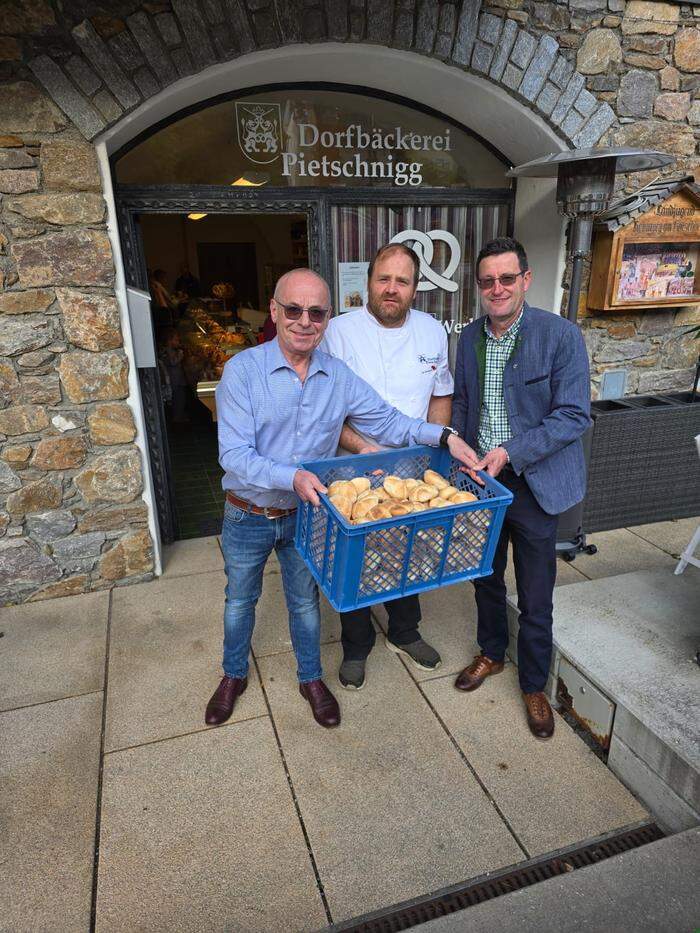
{"x": 257, "y": 509}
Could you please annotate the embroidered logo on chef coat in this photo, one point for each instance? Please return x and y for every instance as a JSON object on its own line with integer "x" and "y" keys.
{"x": 429, "y": 361}
{"x": 259, "y": 133}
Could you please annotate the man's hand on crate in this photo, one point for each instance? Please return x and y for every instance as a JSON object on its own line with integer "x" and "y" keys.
{"x": 461, "y": 451}
{"x": 494, "y": 461}
{"x": 307, "y": 486}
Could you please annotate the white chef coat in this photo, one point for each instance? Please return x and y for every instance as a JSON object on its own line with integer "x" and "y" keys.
{"x": 406, "y": 365}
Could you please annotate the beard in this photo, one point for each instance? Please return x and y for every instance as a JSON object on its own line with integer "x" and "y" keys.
{"x": 388, "y": 314}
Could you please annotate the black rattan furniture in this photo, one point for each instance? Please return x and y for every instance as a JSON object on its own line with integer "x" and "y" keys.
{"x": 644, "y": 465}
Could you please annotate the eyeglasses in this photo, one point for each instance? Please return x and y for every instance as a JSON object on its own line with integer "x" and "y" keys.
{"x": 489, "y": 281}
{"x": 295, "y": 312}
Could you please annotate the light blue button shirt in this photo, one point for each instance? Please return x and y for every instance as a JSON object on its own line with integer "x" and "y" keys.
{"x": 269, "y": 421}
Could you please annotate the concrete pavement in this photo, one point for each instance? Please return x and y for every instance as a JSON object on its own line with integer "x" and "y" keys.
{"x": 268, "y": 821}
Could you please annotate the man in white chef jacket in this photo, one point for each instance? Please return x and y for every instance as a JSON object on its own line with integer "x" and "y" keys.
{"x": 402, "y": 353}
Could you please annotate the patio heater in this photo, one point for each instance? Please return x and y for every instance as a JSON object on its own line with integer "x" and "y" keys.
{"x": 585, "y": 183}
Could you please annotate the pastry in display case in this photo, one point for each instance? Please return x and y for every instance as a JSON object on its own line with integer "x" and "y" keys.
{"x": 209, "y": 345}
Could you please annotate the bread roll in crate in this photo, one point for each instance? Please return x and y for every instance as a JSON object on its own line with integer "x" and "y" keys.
{"x": 397, "y": 522}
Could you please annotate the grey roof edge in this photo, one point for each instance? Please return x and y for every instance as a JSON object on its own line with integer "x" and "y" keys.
{"x": 623, "y": 211}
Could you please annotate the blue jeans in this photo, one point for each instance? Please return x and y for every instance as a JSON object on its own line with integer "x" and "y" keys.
{"x": 247, "y": 542}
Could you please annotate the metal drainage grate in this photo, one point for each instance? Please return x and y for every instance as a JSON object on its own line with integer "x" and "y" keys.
{"x": 487, "y": 887}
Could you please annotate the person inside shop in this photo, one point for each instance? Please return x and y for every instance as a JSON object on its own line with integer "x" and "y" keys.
{"x": 522, "y": 400}
{"x": 279, "y": 404}
{"x": 269, "y": 329}
{"x": 171, "y": 358}
{"x": 162, "y": 303}
{"x": 186, "y": 283}
{"x": 402, "y": 354}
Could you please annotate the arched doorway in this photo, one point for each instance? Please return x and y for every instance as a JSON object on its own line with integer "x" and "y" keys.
{"x": 218, "y": 201}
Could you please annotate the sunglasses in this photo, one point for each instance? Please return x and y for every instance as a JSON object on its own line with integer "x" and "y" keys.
{"x": 294, "y": 312}
{"x": 489, "y": 281}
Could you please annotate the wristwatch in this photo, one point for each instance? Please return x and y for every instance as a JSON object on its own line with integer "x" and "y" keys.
{"x": 446, "y": 433}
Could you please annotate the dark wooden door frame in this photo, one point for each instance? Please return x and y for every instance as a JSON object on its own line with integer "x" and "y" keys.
{"x": 131, "y": 203}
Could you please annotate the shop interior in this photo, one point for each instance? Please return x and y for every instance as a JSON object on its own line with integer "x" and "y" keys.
{"x": 211, "y": 277}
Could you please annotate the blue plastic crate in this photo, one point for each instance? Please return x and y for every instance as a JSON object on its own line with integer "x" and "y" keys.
{"x": 358, "y": 565}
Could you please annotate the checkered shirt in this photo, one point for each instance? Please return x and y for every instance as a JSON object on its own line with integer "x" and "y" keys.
{"x": 494, "y": 427}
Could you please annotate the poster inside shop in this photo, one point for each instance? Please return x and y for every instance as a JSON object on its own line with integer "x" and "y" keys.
{"x": 352, "y": 285}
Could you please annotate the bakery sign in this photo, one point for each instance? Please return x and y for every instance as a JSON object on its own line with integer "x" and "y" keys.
{"x": 350, "y": 151}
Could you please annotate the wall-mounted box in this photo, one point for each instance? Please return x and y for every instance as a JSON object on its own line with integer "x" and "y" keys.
{"x": 646, "y": 251}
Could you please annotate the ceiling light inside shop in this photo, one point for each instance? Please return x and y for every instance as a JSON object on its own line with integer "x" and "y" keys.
{"x": 195, "y": 216}
{"x": 250, "y": 180}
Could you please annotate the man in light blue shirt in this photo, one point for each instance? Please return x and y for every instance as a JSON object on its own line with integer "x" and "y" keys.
{"x": 277, "y": 405}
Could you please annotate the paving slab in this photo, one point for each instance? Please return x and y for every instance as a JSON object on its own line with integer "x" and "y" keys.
{"x": 391, "y": 809}
{"x": 53, "y": 649}
{"x": 194, "y": 555}
{"x": 621, "y": 551}
{"x": 652, "y": 889}
{"x": 200, "y": 833}
{"x": 165, "y": 660}
{"x": 49, "y": 766}
{"x": 553, "y": 793}
{"x": 635, "y": 636}
{"x": 672, "y": 537}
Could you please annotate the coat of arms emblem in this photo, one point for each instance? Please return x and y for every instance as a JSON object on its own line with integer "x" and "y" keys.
{"x": 259, "y": 131}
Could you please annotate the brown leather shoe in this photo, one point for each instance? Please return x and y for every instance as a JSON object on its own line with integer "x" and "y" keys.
{"x": 323, "y": 704}
{"x": 540, "y": 718}
{"x": 220, "y": 707}
{"x": 476, "y": 673}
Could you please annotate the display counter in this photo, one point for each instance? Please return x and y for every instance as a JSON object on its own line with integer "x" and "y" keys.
{"x": 209, "y": 340}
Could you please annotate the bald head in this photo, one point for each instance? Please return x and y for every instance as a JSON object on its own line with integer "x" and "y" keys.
{"x": 301, "y": 279}
{"x": 298, "y": 293}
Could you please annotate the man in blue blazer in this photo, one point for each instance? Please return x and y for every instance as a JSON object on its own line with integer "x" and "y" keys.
{"x": 522, "y": 401}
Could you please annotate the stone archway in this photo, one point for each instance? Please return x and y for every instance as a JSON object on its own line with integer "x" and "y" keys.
{"x": 112, "y": 77}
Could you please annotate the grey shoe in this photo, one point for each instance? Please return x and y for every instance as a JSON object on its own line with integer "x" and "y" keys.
{"x": 352, "y": 674}
{"x": 420, "y": 652}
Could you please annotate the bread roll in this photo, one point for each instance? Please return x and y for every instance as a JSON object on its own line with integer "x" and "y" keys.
{"x": 367, "y": 492}
{"x": 378, "y": 512}
{"x": 381, "y": 493}
{"x": 372, "y": 562}
{"x": 361, "y": 483}
{"x": 420, "y": 506}
{"x": 422, "y": 493}
{"x": 434, "y": 479}
{"x": 395, "y": 486}
{"x": 343, "y": 487}
{"x": 439, "y": 503}
{"x": 363, "y": 506}
{"x": 342, "y": 504}
{"x": 448, "y": 492}
{"x": 463, "y": 496}
{"x": 411, "y": 483}
{"x": 399, "y": 508}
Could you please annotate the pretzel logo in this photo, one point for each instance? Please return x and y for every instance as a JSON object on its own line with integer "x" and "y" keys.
{"x": 422, "y": 245}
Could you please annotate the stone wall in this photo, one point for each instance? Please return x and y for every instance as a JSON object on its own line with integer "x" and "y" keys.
{"x": 643, "y": 59}
{"x": 71, "y": 514}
